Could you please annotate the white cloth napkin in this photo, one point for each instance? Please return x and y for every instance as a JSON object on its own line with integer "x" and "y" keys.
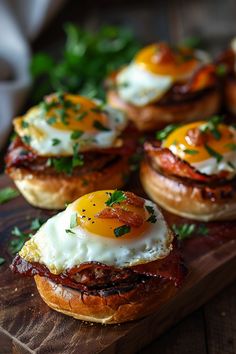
{"x": 20, "y": 22}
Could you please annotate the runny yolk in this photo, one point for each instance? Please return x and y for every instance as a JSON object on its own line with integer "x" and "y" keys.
{"x": 162, "y": 60}
{"x": 83, "y": 115}
{"x": 180, "y": 144}
{"x": 88, "y": 206}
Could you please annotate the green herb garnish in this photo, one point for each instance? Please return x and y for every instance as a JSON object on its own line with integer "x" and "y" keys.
{"x": 26, "y": 139}
{"x": 231, "y": 146}
{"x": 78, "y": 159}
{"x": 163, "y": 134}
{"x": 150, "y": 209}
{"x": 73, "y": 220}
{"x": 203, "y": 230}
{"x": 2, "y": 261}
{"x": 51, "y": 120}
{"x": 76, "y": 134}
{"x": 56, "y": 141}
{"x": 24, "y": 124}
{"x": 62, "y": 115}
{"x": 115, "y": 198}
{"x": 81, "y": 116}
{"x": 99, "y": 126}
{"x": 212, "y": 126}
{"x": 183, "y": 231}
{"x": 68, "y": 231}
{"x": 36, "y": 224}
{"x": 7, "y": 194}
{"x": 121, "y": 230}
{"x": 190, "y": 151}
{"x": 152, "y": 219}
{"x": 213, "y": 153}
{"x": 231, "y": 165}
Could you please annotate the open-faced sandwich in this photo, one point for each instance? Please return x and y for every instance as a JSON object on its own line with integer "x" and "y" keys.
{"x": 164, "y": 85}
{"x": 109, "y": 257}
{"x": 67, "y": 146}
{"x": 226, "y": 66}
{"x": 192, "y": 171}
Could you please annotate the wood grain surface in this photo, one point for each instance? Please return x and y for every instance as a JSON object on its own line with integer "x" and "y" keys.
{"x": 27, "y": 325}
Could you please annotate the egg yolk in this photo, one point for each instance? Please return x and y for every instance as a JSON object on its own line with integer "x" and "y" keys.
{"x": 162, "y": 60}
{"x": 179, "y": 142}
{"x": 90, "y": 205}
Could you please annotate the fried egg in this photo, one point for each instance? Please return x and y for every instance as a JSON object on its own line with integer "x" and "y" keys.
{"x": 214, "y": 154}
{"x": 55, "y": 126}
{"x": 153, "y": 71}
{"x": 77, "y": 235}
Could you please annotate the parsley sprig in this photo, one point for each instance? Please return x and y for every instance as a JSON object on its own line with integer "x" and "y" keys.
{"x": 122, "y": 230}
{"x": 212, "y": 126}
{"x": 163, "y": 134}
{"x": 115, "y": 198}
{"x": 185, "y": 231}
{"x": 7, "y": 194}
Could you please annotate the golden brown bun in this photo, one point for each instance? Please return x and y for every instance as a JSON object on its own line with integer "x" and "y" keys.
{"x": 116, "y": 308}
{"x": 230, "y": 94}
{"x": 53, "y": 192}
{"x": 154, "y": 116}
{"x": 185, "y": 200}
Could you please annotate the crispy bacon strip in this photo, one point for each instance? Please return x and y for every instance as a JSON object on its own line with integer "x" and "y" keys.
{"x": 134, "y": 200}
{"x": 128, "y": 217}
{"x": 164, "y": 159}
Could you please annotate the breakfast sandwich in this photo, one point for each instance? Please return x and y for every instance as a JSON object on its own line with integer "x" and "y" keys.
{"x": 191, "y": 170}
{"x": 109, "y": 257}
{"x": 67, "y": 146}
{"x": 163, "y": 85}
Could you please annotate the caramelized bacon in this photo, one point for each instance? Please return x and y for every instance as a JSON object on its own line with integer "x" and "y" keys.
{"x": 203, "y": 78}
{"x": 128, "y": 217}
{"x": 133, "y": 199}
{"x": 163, "y": 159}
{"x": 94, "y": 275}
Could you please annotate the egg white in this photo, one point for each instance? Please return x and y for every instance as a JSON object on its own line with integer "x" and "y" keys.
{"x": 59, "y": 250}
{"x": 211, "y": 166}
{"x": 140, "y": 87}
{"x": 42, "y": 143}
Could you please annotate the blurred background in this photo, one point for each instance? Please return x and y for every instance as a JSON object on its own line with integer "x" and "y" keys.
{"x": 48, "y": 45}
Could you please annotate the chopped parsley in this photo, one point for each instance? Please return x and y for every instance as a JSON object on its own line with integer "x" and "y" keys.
{"x": 21, "y": 237}
{"x": 78, "y": 159}
{"x": 2, "y": 261}
{"x": 115, "y": 197}
{"x": 51, "y": 120}
{"x": 190, "y": 151}
{"x": 163, "y": 134}
{"x": 62, "y": 115}
{"x": 56, "y": 141}
{"x": 213, "y": 153}
{"x": 231, "y": 165}
{"x": 150, "y": 209}
{"x": 121, "y": 230}
{"x": 66, "y": 164}
{"x": 73, "y": 220}
{"x": 99, "y": 126}
{"x": 152, "y": 219}
{"x": 212, "y": 126}
{"x": 7, "y": 194}
{"x": 69, "y": 231}
{"x": 76, "y": 134}
{"x": 24, "y": 124}
{"x": 26, "y": 139}
{"x": 185, "y": 231}
{"x": 81, "y": 116}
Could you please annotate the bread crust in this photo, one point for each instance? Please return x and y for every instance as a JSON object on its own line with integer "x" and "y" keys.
{"x": 155, "y": 116}
{"x": 230, "y": 94}
{"x": 184, "y": 199}
{"x": 55, "y": 191}
{"x": 118, "y": 307}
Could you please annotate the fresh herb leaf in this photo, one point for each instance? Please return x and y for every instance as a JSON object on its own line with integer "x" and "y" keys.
{"x": 99, "y": 126}
{"x": 78, "y": 159}
{"x": 212, "y": 126}
{"x": 115, "y": 197}
{"x": 62, "y": 164}
{"x": 81, "y": 116}
{"x": 231, "y": 146}
{"x": 36, "y": 224}
{"x": 20, "y": 238}
{"x": 163, "y": 134}
{"x": 62, "y": 115}
{"x": 2, "y": 261}
{"x": 76, "y": 134}
{"x": 203, "y": 230}
{"x": 231, "y": 165}
{"x": 7, "y": 194}
{"x": 121, "y": 230}
{"x": 192, "y": 43}
{"x": 190, "y": 151}
{"x": 68, "y": 231}
{"x": 55, "y": 141}
{"x": 51, "y": 120}
{"x": 213, "y": 153}
{"x": 26, "y": 139}
{"x": 152, "y": 219}
{"x": 183, "y": 231}
{"x": 24, "y": 124}
{"x": 73, "y": 220}
{"x": 150, "y": 209}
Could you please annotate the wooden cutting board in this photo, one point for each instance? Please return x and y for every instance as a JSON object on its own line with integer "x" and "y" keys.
{"x": 27, "y": 325}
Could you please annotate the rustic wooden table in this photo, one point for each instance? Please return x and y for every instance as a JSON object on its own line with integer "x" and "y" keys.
{"x": 211, "y": 329}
